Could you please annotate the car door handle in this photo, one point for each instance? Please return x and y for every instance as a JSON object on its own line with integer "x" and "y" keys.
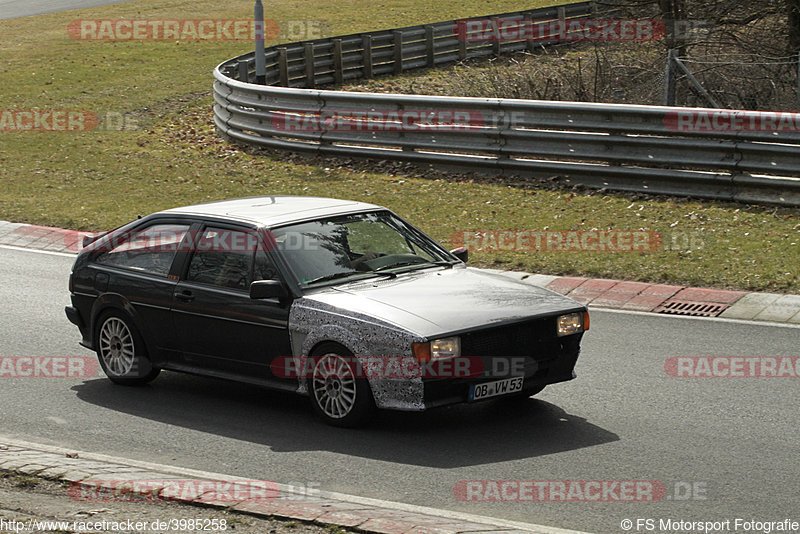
{"x": 185, "y": 296}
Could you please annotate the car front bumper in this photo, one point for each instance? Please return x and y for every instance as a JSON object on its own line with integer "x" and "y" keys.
{"x": 537, "y": 374}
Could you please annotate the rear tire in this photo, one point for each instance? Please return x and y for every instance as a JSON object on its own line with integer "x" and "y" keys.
{"x": 339, "y": 394}
{"x": 122, "y": 352}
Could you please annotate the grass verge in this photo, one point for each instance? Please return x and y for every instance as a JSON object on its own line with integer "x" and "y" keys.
{"x": 170, "y": 155}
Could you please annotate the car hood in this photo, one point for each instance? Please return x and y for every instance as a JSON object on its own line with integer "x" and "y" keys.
{"x": 442, "y": 301}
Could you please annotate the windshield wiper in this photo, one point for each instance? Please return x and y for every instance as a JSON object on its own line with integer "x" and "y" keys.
{"x": 414, "y": 263}
{"x": 398, "y": 264}
{"x": 334, "y": 276}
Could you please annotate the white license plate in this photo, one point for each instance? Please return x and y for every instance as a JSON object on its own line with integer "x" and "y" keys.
{"x": 493, "y": 389}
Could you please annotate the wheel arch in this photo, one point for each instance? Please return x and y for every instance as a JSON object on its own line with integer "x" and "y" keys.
{"x": 116, "y": 302}
{"x": 312, "y": 323}
{"x": 317, "y": 349}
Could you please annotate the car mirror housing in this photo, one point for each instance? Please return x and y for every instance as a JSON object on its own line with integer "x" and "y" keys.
{"x": 461, "y": 253}
{"x": 265, "y": 289}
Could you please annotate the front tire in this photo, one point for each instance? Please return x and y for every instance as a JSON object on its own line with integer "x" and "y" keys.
{"x": 338, "y": 394}
{"x": 122, "y": 352}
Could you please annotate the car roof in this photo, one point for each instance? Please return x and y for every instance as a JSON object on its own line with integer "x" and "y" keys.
{"x": 274, "y": 210}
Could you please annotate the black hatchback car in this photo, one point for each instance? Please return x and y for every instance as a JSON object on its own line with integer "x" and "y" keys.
{"x": 342, "y": 301}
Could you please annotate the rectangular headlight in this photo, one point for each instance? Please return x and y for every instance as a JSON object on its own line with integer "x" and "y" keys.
{"x": 448, "y": 347}
{"x": 572, "y": 323}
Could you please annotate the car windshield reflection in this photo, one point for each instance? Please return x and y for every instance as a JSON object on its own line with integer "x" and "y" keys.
{"x": 353, "y": 247}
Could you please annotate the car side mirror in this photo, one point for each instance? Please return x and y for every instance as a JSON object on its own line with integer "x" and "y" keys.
{"x": 265, "y": 289}
{"x": 461, "y": 253}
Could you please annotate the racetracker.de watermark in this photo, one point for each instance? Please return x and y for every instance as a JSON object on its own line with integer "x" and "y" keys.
{"x": 400, "y": 367}
{"x": 733, "y": 366}
{"x": 182, "y": 240}
{"x": 168, "y": 241}
{"x": 389, "y": 367}
{"x": 516, "y": 29}
{"x": 64, "y": 121}
{"x": 204, "y": 491}
{"x": 630, "y": 491}
{"x": 559, "y": 490}
{"x": 558, "y": 240}
{"x": 194, "y": 29}
{"x": 48, "y": 366}
{"x": 377, "y": 120}
{"x": 726, "y": 120}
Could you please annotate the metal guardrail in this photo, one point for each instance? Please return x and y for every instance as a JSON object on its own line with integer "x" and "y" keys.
{"x": 612, "y": 146}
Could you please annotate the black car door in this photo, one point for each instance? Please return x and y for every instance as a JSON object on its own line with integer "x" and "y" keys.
{"x": 220, "y": 329}
{"x": 134, "y": 270}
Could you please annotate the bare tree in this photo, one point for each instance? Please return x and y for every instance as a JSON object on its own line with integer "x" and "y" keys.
{"x": 793, "y": 7}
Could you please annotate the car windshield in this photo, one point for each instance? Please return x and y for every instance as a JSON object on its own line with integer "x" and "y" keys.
{"x": 346, "y": 248}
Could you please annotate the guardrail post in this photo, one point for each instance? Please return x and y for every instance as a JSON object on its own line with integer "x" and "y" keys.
{"x": 320, "y": 109}
{"x": 261, "y": 69}
{"x": 398, "y": 52}
{"x": 244, "y": 71}
{"x": 401, "y": 133}
{"x": 528, "y": 19}
{"x": 366, "y": 44}
{"x": 561, "y": 24}
{"x": 670, "y": 79}
{"x": 283, "y": 67}
{"x": 308, "y": 54}
{"x": 503, "y": 122}
{"x": 462, "y": 43}
{"x": 495, "y": 36}
{"x": 429, "y": 46}
{"x": 338, "y": 68}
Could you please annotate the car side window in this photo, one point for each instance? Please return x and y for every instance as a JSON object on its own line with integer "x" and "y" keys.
{"x": 223, "y": 258}
{"x": 150, "y": 249}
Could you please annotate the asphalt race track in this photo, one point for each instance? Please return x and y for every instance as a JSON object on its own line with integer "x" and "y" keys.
{"x": 727, "y": 445}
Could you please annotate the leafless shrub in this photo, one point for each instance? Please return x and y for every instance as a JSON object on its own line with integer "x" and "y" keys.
{"x": 736, "y": 49}
{"x": 623, "y": 72}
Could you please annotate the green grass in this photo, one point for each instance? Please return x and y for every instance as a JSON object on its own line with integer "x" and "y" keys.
{"x": 97, "y": 180}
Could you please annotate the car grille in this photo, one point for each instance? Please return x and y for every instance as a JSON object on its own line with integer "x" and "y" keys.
{"x": 533, "y": 339}
{"x": 530, "y": 347}
{"x": 545, "y": 358}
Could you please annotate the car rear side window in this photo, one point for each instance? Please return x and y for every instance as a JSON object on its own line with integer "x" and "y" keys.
{"x": 150, "y": 249}
{"x": 223, "y": 258}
